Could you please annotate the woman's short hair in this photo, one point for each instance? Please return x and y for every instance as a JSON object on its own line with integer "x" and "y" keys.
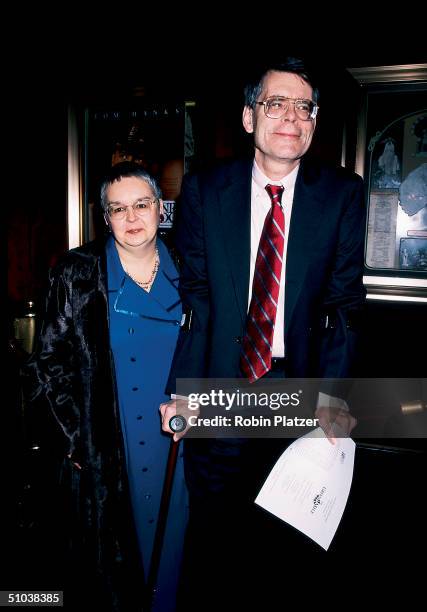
{"x": 127, "y": 169}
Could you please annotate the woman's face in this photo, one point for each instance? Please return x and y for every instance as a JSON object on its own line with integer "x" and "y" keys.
{"x": 139, "y": 226}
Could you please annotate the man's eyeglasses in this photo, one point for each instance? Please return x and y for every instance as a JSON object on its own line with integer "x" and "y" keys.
{"x": 276, "y": 107}
{"x": 141, "y": 208}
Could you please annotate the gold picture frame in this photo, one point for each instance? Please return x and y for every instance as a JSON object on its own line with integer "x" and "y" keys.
{"x": 391, "y": 155}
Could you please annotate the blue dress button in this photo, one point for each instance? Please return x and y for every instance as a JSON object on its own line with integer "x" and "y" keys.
{"x": 131, "y": 330}
{"x": 151, "y": 521}
{"x": 134, "y": 388}
{"x": 139, "y": 417}
{"x": 147, "y": 496}
{"x": 133, "y": 359}
{"x": 142, "y": 442}
{"x": 144, "y": 469}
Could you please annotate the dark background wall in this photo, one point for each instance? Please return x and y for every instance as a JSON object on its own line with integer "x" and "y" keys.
{"x": 212, "y": 71}
{"x": 384, "y": 523}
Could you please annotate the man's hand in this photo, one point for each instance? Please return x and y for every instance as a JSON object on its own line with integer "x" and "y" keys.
{"x": 335, "y": 421}
{"x": 173, "y": 408}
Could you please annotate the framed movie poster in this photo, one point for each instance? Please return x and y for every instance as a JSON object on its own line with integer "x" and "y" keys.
{"x": 392, "y": 158}
{"x": 156, "y": 135}
{"x": 148, "y": 133}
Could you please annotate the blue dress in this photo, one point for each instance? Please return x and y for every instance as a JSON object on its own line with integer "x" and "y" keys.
{"x": 143, "y": 332}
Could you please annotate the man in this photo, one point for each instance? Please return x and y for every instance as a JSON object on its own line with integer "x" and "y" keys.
{"x": 313, "y": 247}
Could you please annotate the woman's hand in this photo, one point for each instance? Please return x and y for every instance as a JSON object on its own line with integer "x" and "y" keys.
{"x": 174, "y": 408}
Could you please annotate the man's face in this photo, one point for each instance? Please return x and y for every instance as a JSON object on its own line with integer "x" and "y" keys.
{"x": 285, "y": 139}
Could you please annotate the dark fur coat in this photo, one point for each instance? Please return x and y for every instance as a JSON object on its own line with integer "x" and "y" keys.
{"x": 70, "y": 377}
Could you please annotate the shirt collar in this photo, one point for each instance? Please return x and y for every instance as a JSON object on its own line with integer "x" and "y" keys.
{"x": 261, "y": 180}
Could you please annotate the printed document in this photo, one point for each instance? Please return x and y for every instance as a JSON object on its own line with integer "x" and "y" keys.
{"x": 309, "y": 485}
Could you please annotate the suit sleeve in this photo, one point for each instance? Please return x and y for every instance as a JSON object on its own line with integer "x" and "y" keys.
{"x": 190, "y": 358}
{"x": 50, "y": 375}
{"x": 345, "y": 294}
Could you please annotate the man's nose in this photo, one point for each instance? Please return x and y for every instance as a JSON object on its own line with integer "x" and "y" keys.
{"x": 289, "y": 114}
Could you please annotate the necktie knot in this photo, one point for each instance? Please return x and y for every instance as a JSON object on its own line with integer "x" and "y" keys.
{"x": 275, "y": 193}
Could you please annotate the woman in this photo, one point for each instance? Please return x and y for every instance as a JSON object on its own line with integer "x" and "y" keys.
{"x": 102, "y": 361}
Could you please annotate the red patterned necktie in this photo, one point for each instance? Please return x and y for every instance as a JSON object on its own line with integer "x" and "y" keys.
{"x": 257, "y": 344}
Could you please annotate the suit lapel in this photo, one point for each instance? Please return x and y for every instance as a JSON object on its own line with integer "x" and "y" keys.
{"x": 307, "y": 211}
{"x": 234, "y": 197}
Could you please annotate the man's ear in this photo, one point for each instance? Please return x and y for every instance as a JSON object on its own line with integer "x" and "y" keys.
{"x": 248, "y": 119}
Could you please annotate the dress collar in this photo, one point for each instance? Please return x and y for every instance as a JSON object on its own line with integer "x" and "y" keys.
{"x": 163, "y": 298}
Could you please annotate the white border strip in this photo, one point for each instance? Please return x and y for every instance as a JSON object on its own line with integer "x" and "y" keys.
{"x": 73, "y": 187}
{"x": 391, "y": 281}
{"x": 395, "y": 298}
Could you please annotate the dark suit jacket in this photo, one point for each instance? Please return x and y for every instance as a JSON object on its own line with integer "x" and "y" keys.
{"x": 323, "y": 271}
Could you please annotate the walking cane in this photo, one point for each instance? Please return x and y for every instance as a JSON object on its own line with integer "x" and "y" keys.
{"x": 161, "y": 521}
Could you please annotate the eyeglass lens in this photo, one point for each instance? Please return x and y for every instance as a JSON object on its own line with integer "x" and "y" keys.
{"x": 140, "y": 209}
{"x": 277, "y": 107}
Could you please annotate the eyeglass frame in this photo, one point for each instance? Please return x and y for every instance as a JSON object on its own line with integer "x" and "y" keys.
{"x": 137, "y": 213}
{"x": 312, "y": 115}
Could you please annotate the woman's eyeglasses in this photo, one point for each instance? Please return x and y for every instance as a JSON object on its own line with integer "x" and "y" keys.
{"x": 141, "y": 208}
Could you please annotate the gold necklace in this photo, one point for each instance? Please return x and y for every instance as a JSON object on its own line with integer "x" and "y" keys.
{"x": 146, "y": 285}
